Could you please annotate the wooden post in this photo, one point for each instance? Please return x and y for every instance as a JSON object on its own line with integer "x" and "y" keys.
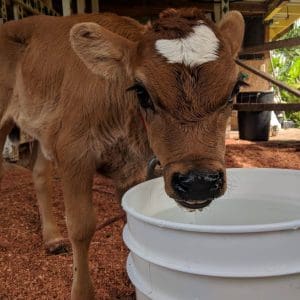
{"x": 48, "y": 3}
{"x": 224, "y": 7}
{"x": 217, "y": 12}
{"x": 18, "y": 11}
{"x": 66, "y": 6}
{"x": 95, "y": 6}
{"x": 220, "y": 9}
{"x": 3, "y": 12}
{"x": 80, "y": 6}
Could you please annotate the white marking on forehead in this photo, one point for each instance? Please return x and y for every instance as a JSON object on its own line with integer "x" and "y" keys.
{"x": 197, "y": 48}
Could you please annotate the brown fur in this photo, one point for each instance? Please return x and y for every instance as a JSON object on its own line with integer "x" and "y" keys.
{"x": 86, "y": 121}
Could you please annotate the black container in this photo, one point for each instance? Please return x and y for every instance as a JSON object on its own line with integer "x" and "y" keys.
{"x": 254, "y": 126}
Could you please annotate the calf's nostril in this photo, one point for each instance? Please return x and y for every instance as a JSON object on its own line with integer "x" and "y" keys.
{"x": 216, "y": 186}
{"x": 215, "y": 176}
{"x": 180, "y": 183}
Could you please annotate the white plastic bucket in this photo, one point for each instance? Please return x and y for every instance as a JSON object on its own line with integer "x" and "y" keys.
{"x": 244, "y": 246}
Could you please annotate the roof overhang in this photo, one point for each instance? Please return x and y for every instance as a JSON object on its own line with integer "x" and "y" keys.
{"x": 281, "y": 16}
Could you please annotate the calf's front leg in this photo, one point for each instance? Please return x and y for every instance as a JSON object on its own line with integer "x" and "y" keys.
{"x": 81, "y": 224}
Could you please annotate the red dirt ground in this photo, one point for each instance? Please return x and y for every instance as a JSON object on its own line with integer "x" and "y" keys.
{"x": 27, "y": 272}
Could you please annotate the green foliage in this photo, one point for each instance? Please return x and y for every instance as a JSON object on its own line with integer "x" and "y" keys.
{"x": 294, "y": 116}
{"x": 286, "y": 68}
{"x": 294, "y": 71}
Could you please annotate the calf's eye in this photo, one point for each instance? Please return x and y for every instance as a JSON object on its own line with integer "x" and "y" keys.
{"x": 143, "y": 96}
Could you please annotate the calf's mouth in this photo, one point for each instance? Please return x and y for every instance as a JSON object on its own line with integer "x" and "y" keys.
{"x": 194, "y": 204}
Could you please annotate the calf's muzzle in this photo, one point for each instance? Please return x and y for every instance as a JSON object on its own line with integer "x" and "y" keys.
{"x": 190, "y": 184}
{"x": 197, "y": 188}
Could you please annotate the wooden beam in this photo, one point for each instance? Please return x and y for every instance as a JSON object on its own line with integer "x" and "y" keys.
{"x": 250, "y": 7}
{"x": 155, "y": 7}
{"x": 287, "y": 43}
{"x": 275, "y": 30}
{"x": 274, "y": 7}
{"x": 266, "y": 106}
{"x": 285, "y": 22}
{"x": 269, "y": 78}
{"x": 137, "y": 11}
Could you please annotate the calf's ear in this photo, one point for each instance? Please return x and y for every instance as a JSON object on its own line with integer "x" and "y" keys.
{"x": 101, "y": 50}
{"x": 232, "y": 27}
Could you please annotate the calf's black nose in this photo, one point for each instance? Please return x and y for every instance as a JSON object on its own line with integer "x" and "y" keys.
{"x": 198, "y": 185}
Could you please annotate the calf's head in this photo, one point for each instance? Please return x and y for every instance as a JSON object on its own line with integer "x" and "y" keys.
{"x": 183, "y": 74}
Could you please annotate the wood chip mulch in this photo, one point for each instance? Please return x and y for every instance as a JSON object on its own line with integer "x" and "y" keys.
{"x": 27, "y": 272}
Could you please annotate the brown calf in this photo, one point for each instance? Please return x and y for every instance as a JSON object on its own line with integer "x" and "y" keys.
{"x": 105, "y": 95}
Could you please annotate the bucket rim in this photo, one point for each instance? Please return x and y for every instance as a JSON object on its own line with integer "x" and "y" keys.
{"x": 214, "y": 229}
